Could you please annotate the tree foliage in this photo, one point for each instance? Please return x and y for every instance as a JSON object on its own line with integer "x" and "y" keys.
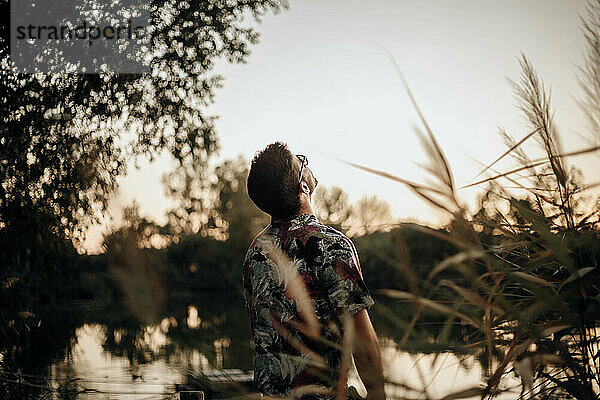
{"x": 64, "y": 138}
{"x": 332, "y": 207}
{"x": 370, "y": 214}
{"x": 213, "y": 203}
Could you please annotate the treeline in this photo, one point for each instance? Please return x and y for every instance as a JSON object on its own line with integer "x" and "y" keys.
{"x": 203, "y": 264}
{"x": 199, "y": 249}
{"x": 202, "y": 250}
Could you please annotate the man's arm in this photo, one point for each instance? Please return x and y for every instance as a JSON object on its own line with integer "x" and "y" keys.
{"x": 367, "y": 357}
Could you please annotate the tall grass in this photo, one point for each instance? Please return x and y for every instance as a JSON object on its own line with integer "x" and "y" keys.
{"x": 523, "y": 285}
{"x": 524, "y": 280}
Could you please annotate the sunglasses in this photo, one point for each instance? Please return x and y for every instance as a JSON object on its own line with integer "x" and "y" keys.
{"x": 304, "y": 160}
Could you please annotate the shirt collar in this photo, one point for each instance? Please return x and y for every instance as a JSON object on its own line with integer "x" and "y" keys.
{"x": 294, "y": 221}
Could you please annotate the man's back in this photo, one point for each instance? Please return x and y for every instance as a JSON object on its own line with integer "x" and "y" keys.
{"x": 326, "y": 262}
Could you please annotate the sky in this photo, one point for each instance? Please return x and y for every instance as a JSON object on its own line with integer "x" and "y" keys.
{"x": 322, "y": 81}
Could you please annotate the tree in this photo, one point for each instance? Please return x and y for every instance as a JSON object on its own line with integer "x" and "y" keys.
{"x": 64, "y": 138}
{"x": 332, "y": 207}
{"x": 244, "y": 219}
{"x": 214, "y": 203}
{"x": 213, "y": 223}
{"x": 134, "y": 265}
{"x": 370, "y": 214}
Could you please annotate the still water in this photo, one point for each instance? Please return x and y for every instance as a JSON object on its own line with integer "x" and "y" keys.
{"x": 85, "y": 352}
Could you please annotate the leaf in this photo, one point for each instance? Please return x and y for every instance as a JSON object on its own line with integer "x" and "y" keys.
{"x": 532, "y": 278}
{"x": 539, "y": 224}
{"x": 580, "y": 273}
{"x": 455, "y": 259}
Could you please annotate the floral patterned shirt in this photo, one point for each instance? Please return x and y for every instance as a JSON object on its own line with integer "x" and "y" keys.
{"x": 325, "y": 264}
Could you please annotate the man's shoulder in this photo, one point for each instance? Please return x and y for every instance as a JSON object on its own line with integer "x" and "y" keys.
{"x": 257, "y": 246}
{"x": 269, "y": 237}
{"x": 335, "y": 237}
{"x": 322, "y": 230}
{"x": 333, "y": 232}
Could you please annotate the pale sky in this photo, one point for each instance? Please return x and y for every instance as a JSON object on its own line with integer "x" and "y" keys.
{"x": 321, "y": 80}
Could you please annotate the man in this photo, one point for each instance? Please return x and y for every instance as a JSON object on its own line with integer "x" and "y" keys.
{"x": 304, "y": 290}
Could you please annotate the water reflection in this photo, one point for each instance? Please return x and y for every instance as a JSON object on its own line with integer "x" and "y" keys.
{"x": 112, "y": 355}
{"x": 435, "y": 375}
{"x": 193, "y": 321}
{"x": 108, "y": 351}
{"x": 97, "y": 372}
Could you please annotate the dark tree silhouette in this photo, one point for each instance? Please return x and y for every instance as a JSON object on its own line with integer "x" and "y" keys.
{"x": 64, "y": 138}
{"x": 213, "y": 202}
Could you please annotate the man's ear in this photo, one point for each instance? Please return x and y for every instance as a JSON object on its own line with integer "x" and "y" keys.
{"x": 304, "y": 187}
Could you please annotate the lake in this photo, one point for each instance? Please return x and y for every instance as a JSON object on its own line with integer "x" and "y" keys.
{"x": 86, "y": 351}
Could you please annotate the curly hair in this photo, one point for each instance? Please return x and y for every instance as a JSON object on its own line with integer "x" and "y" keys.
{"x": 273, "y": 181}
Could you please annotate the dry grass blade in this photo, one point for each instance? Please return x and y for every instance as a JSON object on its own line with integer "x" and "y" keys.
{"x": 308, "y": 390}
{"x": 554, "y": 329}
{"x": 518, "y": 153}
{"x": 297, "y": 290}
{"x": 514, "y": 350}
{"x": 440, "y": 168}
{"x": 433, "y": 201}
{"x": 538, "y": 192}
{"x": 402, "y": 385}
{"x": 405, "y": 264}
{"x": 533, "y": 278}
{"x": 398, "y": 294}
{"x": 316, "y": 358}
{"x": 443, "y": 236}
{"x": 346, "y": 361}
{"x": 410, "y": 184}
{"x": 472, "y": 297}
{"x": 254, "y": 396}
{"x": 437, "y": 164}
{"x": 435, "y": 152}
{"x": 504, "y": 174}
{"x": 455, "y": 259}
{"x": 420, "y": 190}
{"x": 411, "y": 324}
{"x": 411, "y": 279}
{"x": 591, "y": 186}
{"x": 591, "y": 149}
{"x": 507, "y": 152}
{"x": 465, "y": 394}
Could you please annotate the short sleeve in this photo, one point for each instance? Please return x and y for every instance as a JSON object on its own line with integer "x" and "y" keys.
{"x": 342, "y": 277}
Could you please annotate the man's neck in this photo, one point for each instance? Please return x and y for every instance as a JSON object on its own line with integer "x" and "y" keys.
{"x": 305, "y": 208}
